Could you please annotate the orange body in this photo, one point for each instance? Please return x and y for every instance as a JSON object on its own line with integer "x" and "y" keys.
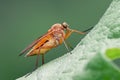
{"x": 54, "y": 37}
{"x": 47, "y": 42}
{"x": 51, "y": 39}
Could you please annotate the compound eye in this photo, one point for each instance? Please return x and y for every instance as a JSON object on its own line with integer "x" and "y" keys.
{"x": 65, "y": 25}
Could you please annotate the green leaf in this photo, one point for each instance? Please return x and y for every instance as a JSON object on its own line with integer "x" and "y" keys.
{"x": 99, "y": 68}
{"x": 113, "y": 53}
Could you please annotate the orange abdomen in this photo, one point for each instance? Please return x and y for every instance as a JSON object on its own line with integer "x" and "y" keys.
{"x": 44, "y": 45}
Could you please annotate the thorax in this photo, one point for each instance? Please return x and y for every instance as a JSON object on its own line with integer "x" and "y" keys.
{"x": 59, "y": 36}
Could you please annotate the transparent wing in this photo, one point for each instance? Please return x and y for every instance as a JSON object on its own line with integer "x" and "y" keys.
{"x": 33, "y": 43}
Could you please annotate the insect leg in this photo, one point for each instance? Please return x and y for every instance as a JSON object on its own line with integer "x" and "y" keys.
{"x": 42, "y": 59}
{"x": 88, "y": 29}
{"x": 66, "y": 46}
{"x": 78, "y": 31}
{"x": 36, "y": 66}
{"x": 69, "y": 45}
{"x": 37, "y": 59}
{"x": 36, "y": 63}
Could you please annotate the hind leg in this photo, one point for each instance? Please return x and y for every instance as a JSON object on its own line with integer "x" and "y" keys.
{"x": 36, "y": 63}
{"x": 42, "y": 59}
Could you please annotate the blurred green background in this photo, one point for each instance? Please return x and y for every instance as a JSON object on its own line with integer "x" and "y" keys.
{"x": 22, "y": 21}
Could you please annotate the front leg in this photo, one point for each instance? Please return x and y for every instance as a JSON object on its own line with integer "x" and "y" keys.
{"x": 66, "y": 45}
